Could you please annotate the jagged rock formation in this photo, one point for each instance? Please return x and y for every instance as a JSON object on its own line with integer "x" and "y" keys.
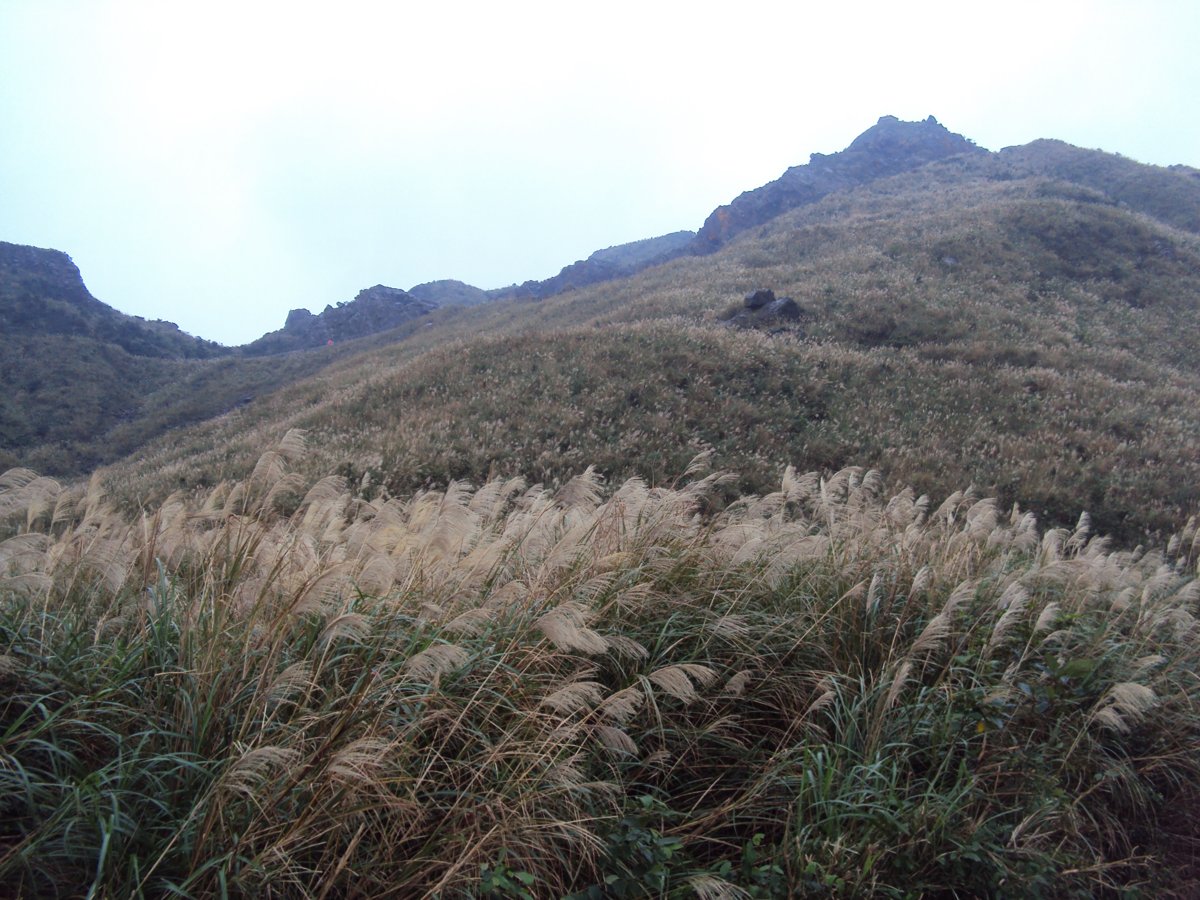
{"x": 449, "y": 292}
{"x": 887, "y": 148}
{"x": 604, "y": 265}
{"x": 373, "y": 310}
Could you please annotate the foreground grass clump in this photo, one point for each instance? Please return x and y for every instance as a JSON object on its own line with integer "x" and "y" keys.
{"x": 286, "y": 691}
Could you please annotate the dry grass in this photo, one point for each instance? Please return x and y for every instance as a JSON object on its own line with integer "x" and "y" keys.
{"x": 280, "y": 688}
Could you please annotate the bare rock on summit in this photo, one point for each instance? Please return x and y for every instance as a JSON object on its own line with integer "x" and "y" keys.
{"x": 887, "y": 148}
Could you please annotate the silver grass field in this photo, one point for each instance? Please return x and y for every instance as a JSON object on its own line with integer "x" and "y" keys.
{"x": 280, "y": 688}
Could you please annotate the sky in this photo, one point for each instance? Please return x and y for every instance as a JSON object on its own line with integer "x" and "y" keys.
{"x": 217, "y": 164}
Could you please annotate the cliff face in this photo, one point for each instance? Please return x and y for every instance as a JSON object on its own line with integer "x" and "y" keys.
{"x": 887, "y": 148}
{"x": 374, "y": 309}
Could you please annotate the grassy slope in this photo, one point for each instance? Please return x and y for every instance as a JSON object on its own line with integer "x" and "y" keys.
{"x": 1024, "y": 335}
{"x": 290, "y": 687}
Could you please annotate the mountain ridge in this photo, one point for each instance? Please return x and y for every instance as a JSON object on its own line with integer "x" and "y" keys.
{"x": 373, "y": 310}
{"x": 1045, "y": 293}
{"x": 889, "y": 147}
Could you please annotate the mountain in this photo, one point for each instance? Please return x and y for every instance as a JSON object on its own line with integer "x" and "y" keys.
{"x": 571, "y": 597}
{"x": 979, "y": 320}
{"x": 1020, "y": 321}
{"x": 1171, "y": 195}
{"x": 71, "y": 367}
{"x": 82, "y": 384}
{"x": 42, "y": 294}
{"x": 888, "y": 148}
{"x": 373, "y": 310}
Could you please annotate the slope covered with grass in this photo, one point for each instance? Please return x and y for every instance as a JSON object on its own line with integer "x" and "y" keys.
{"x": 1025, "y": 335}
{"x": 276, "y": 688}
{"x": 82, "y": 384}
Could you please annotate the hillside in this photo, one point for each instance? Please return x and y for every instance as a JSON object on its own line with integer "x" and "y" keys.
{"x": 42, "y": 293}
{"x": 959, "y": 325}
{"x": 82, "y": 384}
{"x": 603, "y": 265}
{"x": 1017, "y": 320}
{"x": 887, "y": 148}
{"x": 72, "y": 367}
{"x": 279, "y": 688}
{"x": 645, "y": 588}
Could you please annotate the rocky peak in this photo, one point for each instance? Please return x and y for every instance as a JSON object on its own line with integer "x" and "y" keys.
{"x": 42, "y": 293}
{"x": 909, "y": 141}
{"x": 888, "y": 147}
{"x": 373, "y": 309}
{"x": 382, "y": 295}
{"x": 45, "y": 273}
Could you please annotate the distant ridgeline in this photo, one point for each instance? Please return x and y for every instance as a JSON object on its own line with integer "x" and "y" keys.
{"x": 373, "y": 310}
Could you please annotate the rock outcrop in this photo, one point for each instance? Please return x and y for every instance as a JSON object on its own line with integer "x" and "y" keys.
{"x": 762, "y": 309}
{"x": 43, "y": 294}
{"x": 374, "y": 309}
{"x": 887, "y": 148}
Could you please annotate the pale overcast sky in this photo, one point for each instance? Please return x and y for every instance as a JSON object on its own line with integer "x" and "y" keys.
{"x": 220, "y": 163}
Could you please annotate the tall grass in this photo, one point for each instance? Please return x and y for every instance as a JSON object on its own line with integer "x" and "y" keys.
{"x": 282, "y": 689}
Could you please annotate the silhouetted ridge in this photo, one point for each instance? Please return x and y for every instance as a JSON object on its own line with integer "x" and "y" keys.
{"x": 887, "y": 148}
{"x": 373, "y": 310}
{"x": 604, "y": 265}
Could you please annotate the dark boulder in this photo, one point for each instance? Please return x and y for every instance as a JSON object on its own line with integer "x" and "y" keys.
{"x": 757, "y": 299}
{"x": 784, "y": 309}
{"x": 761, "y": 309}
